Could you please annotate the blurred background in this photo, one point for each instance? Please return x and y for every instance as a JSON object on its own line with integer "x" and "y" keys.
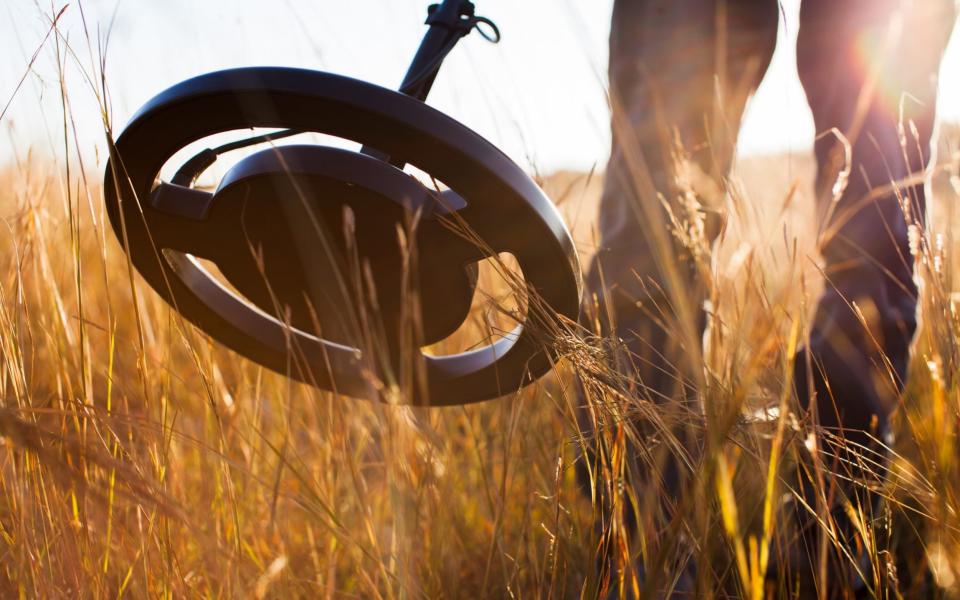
{"x": 539, "y": 94}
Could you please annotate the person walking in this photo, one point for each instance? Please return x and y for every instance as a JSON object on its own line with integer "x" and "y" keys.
{"x": 680, "y": 75}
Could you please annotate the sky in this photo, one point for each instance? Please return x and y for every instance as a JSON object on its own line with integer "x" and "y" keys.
{"x": 539, "y": 94}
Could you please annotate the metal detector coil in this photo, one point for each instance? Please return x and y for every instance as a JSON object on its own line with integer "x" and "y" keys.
{"x": 293, "y": 228}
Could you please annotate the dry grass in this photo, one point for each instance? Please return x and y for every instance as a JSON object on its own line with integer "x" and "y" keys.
{"x": 150, "y": 471}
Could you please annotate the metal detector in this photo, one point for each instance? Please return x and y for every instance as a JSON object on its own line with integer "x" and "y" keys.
{"x": 305, "y": 234}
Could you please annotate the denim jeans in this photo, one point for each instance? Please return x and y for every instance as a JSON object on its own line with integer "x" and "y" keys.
{"x": 680, "y": 74}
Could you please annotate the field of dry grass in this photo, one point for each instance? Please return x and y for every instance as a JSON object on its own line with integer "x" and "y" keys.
{"x": 139, "y": 458}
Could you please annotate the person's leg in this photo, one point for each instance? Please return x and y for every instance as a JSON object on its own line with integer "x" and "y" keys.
{"x": 677, "y": 92}
{"x": 680, "y": 74}
{"x": 869, "y": 70}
